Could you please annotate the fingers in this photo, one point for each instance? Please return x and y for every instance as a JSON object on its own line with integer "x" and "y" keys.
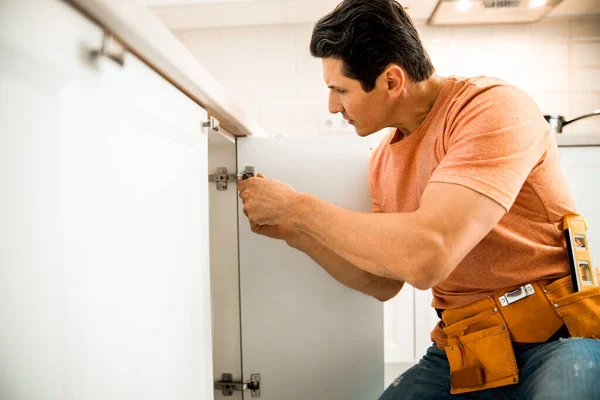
{"x": 255, "y": 228}
{"x": 243, "y": 185}
{"x": 252, "y": 223}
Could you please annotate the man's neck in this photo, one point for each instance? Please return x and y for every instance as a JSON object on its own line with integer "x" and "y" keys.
{"x": 417, "y": 103}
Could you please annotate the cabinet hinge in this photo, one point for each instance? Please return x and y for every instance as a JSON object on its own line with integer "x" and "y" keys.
{"x": 227, "y": 386}
{"x": 212, "y": 123}
{"x": 110, "y": 48}
{"x": 222, "y": 178}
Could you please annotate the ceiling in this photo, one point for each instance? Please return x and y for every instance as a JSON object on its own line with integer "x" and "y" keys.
{"x": 576, "y": 8}
{"x": 189, "y": 14}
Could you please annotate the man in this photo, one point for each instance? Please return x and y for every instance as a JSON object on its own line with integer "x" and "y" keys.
{"x": 468, "y": 198}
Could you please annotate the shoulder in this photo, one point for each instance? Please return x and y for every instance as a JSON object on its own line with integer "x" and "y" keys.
{"x": 492, "y": 102}
{"x": 484, "y": 92}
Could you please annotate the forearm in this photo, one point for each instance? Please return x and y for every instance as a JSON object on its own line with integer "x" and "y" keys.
{"x": 422, "y": 247}
{"x": 343, "y": 271}
{"x": 397, "y": 246}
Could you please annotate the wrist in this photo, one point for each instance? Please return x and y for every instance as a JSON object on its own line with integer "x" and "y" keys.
{"x": 295, "y": 238}
{"x": 299, "y": 210}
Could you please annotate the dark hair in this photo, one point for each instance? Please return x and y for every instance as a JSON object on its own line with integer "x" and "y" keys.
{"x": 368, "y": 36}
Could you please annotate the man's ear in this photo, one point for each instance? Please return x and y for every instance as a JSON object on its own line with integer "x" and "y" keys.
{"x": 395, "y": 79}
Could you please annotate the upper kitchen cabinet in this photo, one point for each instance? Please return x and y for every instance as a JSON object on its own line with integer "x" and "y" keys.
{"x": 147, "y": 37}
{"x": 104, "y": 259}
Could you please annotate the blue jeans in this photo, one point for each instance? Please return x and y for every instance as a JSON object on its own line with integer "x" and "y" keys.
{"x": 560, "y": 369}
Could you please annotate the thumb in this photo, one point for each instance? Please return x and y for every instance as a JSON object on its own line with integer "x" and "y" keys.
{"x": 259, "y": 175}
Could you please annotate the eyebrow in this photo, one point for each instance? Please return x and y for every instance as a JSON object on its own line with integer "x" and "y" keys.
{"x": 335, "y": 87}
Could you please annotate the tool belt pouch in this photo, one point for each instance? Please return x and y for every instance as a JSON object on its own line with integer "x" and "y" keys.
{"x": 479, "y": 350}
{"x": 580, "y": 311}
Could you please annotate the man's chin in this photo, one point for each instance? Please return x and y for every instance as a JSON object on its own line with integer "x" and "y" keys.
{"x": 362, "y": 132}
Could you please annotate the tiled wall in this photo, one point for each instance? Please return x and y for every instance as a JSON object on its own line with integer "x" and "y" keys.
{"x": 270, "y": 72}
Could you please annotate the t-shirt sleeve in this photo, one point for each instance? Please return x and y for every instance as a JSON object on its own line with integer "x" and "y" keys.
{"x": 493, "y": 142}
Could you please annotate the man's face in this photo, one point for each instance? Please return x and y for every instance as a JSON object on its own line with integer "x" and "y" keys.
{"x": 367, "y": 112}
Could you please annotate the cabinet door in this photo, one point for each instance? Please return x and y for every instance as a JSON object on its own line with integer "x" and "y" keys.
{"x": 308, "y": 336}
{"x": 224, "y": 267}
{"x": 104, "y": 279}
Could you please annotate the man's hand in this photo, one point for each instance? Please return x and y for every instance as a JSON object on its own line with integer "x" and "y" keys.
{"x": 281, "y": 232}
{"x": 267, "y": 201}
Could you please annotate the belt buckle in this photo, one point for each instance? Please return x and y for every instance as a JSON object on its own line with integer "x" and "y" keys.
{"x": 516, "y": 295}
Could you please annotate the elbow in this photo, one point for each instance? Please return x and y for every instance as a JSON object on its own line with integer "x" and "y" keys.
{"x": 428, "y": 277}
{"x": 392, "y": 288}
{"x": 422, "y": 285}
{"x": 433, "y": 267}
{"x": 424, "y": 282}
{"x": 382, "y": 298}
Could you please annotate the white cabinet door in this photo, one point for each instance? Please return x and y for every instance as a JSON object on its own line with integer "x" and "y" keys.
{"x": 104, "y": 278}
{"x": 308, "y": 336}
{"x": 399, "y": 333}
{"x": 582, "y": 167}
{"x": 224, "y": 267}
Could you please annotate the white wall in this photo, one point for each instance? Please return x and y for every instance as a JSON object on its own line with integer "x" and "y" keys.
{"x": 271, "y": 73}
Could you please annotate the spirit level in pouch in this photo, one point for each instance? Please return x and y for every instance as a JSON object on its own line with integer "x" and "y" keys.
{"x": 583, "y": 272}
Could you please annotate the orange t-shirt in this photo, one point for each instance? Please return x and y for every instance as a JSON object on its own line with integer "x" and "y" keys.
{"x": 489, "y": 136}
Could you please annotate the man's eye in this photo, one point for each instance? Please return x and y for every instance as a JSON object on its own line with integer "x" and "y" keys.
{"x": 341, "y": 91}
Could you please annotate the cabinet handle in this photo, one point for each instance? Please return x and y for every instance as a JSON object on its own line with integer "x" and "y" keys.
{"x": 112, "y": 49}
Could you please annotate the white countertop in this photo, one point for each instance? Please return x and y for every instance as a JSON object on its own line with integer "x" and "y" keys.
{"x": 145, "y": 36}
{"x": 578, "y": 139}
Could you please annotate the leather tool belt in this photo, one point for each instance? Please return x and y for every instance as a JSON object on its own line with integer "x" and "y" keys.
{"x": 480, "y": 335}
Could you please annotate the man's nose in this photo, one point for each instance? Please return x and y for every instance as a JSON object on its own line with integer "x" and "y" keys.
{"x": 334, "y": 105}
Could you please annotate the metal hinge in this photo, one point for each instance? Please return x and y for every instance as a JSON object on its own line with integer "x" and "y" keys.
{"x": 223, "y": 178}
{"x": 110, "y": 48}
{"x": 212, "y": 123}
{"x": 227, "y": 386}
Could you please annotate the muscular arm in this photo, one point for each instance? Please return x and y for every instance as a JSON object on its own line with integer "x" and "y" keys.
{"x": 421, "y": 248}
{"x": 341, "y": 270}
{"x": 344, "y": 272}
